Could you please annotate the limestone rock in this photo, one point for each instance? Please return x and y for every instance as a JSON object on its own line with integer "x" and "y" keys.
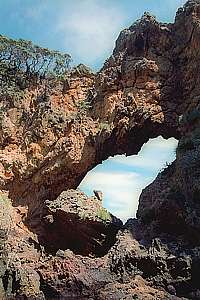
{"x": 69, "y": 247}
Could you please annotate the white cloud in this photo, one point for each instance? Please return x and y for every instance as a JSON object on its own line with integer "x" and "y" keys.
{"x": 98, "y": 179}
{"x": 89, "y": 29}
{"x": 121, "y": 188}
{"x": 159, "y": 142}
{"x": 153, "y": 155}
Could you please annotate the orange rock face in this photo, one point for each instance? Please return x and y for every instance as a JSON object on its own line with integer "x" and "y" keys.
{"x": 53, "y": 134}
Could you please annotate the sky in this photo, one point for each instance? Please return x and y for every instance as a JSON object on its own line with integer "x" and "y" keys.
{"x": 122, "y": 179}
{"x": 87, "y": 30}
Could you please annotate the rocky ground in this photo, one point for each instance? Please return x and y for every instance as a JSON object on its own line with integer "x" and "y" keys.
{"x": 57, "y": 243}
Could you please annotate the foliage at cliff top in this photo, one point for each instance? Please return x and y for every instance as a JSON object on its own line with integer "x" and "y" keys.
{"x": 21, "y": 61}
{"x": 32, "y": 59}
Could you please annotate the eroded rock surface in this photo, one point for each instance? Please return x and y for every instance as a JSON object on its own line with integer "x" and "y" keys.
{"x": 56, "y": 243}
{"x": 74, "y": 221}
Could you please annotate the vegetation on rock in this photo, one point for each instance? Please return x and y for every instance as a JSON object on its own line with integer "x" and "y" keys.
{"x": 52, "y": 131}
{"x": 23, "y": 64}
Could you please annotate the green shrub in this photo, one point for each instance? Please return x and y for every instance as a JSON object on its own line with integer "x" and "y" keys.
{"x": 4, "y": 199}
{"x": 104, "y": 215}
{"x": 104, "y": 127}
{"x": 22, "y": 63}
{"x": 24, "y": 56}
{"x": 82, "y": 109}
{"x": 83, "y": 106}
{"x": 7, "y": 166}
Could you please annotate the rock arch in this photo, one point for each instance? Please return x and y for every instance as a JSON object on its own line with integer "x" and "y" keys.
{"x": 134, "y": 97}
{"x": 140, "y": 93}
{"x": 151, "y": 79}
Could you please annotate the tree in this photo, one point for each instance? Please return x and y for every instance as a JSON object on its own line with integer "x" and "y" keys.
{"x": 22, "y": 62}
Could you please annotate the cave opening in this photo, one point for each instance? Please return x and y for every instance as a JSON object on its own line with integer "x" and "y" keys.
{"x": 121, "y": 179}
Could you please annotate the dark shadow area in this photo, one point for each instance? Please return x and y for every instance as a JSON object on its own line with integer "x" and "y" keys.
{"x": 83, "y": 237}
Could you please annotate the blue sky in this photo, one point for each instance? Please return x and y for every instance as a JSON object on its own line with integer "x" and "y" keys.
{"x": 122, "y": 179}
{"x": 87, "y": 30}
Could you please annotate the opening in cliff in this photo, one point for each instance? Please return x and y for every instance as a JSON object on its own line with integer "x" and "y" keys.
{"x": 122, "y": 179}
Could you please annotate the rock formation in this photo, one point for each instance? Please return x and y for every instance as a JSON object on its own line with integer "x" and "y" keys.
{"x": 56, "y": 243}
